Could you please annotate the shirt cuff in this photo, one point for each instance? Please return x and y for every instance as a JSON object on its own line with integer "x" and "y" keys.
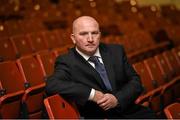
{"x": 92, "y": 93}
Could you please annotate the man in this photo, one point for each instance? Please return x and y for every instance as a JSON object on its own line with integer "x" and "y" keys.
{"x": 104, "y": 86}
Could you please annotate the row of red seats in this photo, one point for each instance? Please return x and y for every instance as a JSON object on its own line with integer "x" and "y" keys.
{"x": 17, "y": 46}
{"x": 160, "y": 77}
{"x": 58, "y": 108}
{"x": 136, "y": 44}
{"x": 22, "y": 84}
{"x": 32, "y": 73}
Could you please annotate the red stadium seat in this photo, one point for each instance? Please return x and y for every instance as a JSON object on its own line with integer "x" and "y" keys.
{"x": 175, "y": 70}
{"x": 156, "y": 74}
{"x": 58, "y": 108}
{"x": 46, "y": 60}
{"x": 52, "y": 39}
{"x": 38, "y": 42}
{"x": 34, "y": 83}
{"x": 22, "y": 45}
{"x": 172, "y": 111}
{"x": 62, "y": 50}
{"x": 7, "y": 52}
{"x": 151, "y": 91}
{"x": 11, "y": 90}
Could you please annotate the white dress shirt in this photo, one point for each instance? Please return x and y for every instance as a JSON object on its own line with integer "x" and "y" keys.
{"x": 86, "y": 57}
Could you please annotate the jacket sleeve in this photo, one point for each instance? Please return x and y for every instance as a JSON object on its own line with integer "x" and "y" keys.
{"x": 61, "y": 82}
{"x": 133, "y": 88}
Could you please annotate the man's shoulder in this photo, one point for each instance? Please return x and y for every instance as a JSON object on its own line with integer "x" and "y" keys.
{"x": 111, "y": 46}
{"x": 66, "y": 56}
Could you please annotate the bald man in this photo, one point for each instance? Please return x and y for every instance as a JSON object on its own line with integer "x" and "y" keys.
{"x": 96, "y": 76}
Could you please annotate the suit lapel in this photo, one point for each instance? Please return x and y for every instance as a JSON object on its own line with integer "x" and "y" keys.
{"x": 106, "y": 57}
{"x": 82, "y": 62}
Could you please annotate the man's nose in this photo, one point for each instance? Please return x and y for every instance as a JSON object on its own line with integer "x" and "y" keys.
{"x": 90, "y": 37}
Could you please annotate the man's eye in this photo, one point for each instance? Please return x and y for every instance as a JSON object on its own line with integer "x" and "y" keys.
{"x": 83, "y": 33}
{"x": 95, "y": 33}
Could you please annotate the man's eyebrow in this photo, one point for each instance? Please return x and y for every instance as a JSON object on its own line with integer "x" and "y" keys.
{"x": 83, "y": 32}
{"x": 89, "y": 31}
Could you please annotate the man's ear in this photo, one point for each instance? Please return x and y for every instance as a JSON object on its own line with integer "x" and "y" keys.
{"x": 73, "y": 38}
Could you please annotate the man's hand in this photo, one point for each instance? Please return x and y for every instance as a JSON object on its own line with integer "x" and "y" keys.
{"x": 98, "y": 95}
{"x": 108, "y": 101}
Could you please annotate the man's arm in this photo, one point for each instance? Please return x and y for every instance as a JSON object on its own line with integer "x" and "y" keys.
{"x": 133, "y": 88}
{"x": 61, "y": 82}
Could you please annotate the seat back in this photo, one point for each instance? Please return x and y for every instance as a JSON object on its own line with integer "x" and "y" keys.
{"x": 7, "y": 51}
{"x": 46, "y": 60}
{"x": 154, "y": 71}
{"x": 22, "y": 45}
{"x": 162, "y": 64}
{"x": 145, "y": 77}
{"x": 31, "y": 70}
{"x": 149, "y": 85}
{"x": 37, "y": 41}
{"x": 175, "y": 69}
{"x": 172, "y": 62}
{"x": 62, "y": 50}
{"x": 172, "y": 111}
{"x": 157, "y": 75}
{"x": 52, "y": 40}
{"x": 11, "y": 78}
{"x": 58, "y": 108}
{"x": 176, "y": 52}
{"x": 11, "y": 90}
{"x": 34, "y": 83}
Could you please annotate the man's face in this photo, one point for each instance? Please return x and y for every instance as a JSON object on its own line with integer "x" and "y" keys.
{"x": 86, "y": 36}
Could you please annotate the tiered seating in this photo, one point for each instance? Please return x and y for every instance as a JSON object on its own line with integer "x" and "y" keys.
{"x": 150, "y": 94}
{"x": 34, "y": 83}
{"x": 11, "y": 90}
{"x": 41, "y": 31}
{"x": 174, "y": 67}
{"x": 157, "y": 76}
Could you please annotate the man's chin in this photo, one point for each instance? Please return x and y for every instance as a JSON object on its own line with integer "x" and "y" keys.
{"x": 90, "y": 52}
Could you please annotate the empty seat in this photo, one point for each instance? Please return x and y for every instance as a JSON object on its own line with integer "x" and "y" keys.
{"x": 38, "y": 42}
{"x": 172, "y": 62}
{"x": 175, "y": 70}
{"x": 46, "y": 60}
{"x": 151, "y": 91}
{"x": 62, "y": 50}
{"x": 7, "y": 52}
{"x": 34, "y": 83}
{"x": 22, "y": 45}
{"x": 172, "y": 111}
{"x": 58, "y": 108}
{"x": 156, "y": 75}
{"x": 162, "y": 64}
{"x": 52, "y": 39}
{"x": 176, "y": 52}
{"x": 11, "y": 90}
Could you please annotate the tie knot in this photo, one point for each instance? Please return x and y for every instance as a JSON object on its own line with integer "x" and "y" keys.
{"x": 94, "y": 59}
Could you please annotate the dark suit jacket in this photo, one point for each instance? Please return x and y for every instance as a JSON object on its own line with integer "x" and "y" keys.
{"x": 74, "y": 77}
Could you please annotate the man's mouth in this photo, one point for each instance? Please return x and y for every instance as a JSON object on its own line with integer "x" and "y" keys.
{"x": 90, "y": 45}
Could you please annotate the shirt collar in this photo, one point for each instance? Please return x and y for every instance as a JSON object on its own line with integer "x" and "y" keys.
{"x": 86, "y": 57}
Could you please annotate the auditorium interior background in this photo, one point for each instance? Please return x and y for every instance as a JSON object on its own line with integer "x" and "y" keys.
{"x": 34, "y": 32}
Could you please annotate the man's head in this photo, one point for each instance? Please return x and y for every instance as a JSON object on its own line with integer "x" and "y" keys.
{"x": 86, "y": 34}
